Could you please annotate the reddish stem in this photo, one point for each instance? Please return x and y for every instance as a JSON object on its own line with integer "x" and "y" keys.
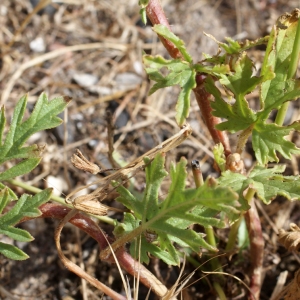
{"x": 157, "y": 16}
{"x": 256, "y": 249}
{"x": 133, "y": 267}
{"x": 203, "y": 99}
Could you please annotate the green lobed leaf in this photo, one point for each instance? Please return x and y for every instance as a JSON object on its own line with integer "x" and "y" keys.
{"x": 276, "y": 91}
{"x": 281, "y": 92}
{"x": 21, "y": 168}
{"x": 171, "y": 219}
{"x": 239, "y": 116}
{"x": 129, "y": 224}
{"x": 11, "y": 194}
{"x": 15, "y": 123}
{"x": 269, "y": 138}
{"x": 190, "y": 237}
{"x": 170, "y": 36}
{"x": 129, "y": 200}
{"x": 140, "y": 247}
{"x": 166, "y": 244}
{"x": 155, "y": 173}
{"x": 268, "y": 183}
{"x": 241, "y": 81}
{"x": 16, "y": 233}
{"x": 180, "y": 73}
{"x": 183, "y": 102}
{"x": 236, "y": 181}
{"x": 26, "y": 206}
{"x": 4, "y": 198}
{"x": 12, "y": 252}
{"x": 44, "y": 116}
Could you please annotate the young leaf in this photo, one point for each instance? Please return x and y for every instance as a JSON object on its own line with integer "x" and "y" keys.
{"x": 11, "y": 194}
{"x": 180, "y": 72}
{"x": 143, "y": 4}
{"x": 170, "y": 36}
{"x": 239, "y": 116}
{"x": 170, "y": 219}
{"x": 237, "y": 47}
{"x": 219, "y": 156}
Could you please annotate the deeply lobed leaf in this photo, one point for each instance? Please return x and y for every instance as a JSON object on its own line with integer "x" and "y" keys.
{"x": 44, "y": 116}
{"x": 170, "y": 219}
{"x": 268, "y": 183}
{"x": 180, "y": 73}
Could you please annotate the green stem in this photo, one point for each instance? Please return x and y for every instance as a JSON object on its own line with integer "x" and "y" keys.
{"x": 235, "y": 227}
{"x": 291, "y": 73}
{"x": 210, "y": 236}
{"x": 233, "y": 234}
{"x": 55, "y": 198}
{"x": 219, "y": 291}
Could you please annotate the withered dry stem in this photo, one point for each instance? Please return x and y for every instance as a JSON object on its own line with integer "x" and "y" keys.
{"x": 91, "y": 203}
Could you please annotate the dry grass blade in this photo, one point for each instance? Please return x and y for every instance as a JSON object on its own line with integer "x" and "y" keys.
{"x": 39, "y": 6}
{"x": 175, "y": 290}
{"x": 235, "y": 277}
{"x": 50, "y": 55}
